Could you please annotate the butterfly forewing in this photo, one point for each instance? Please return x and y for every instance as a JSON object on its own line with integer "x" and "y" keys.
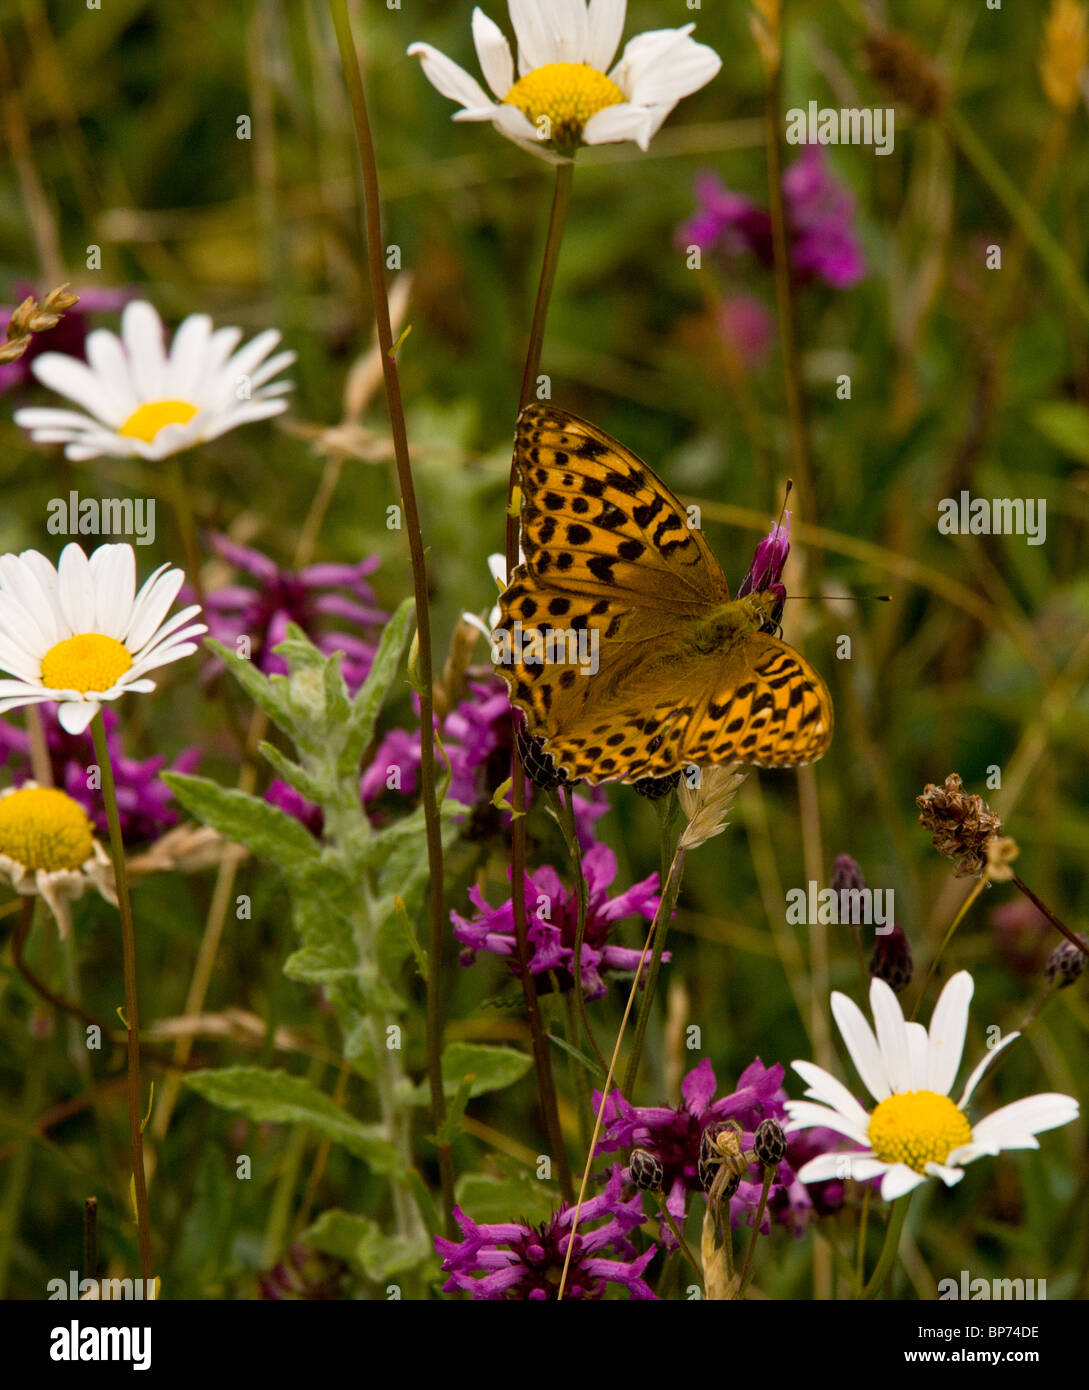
{"x": 595, "y": 519}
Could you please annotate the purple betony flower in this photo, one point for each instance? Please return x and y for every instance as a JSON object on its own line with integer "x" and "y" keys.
{"x": 144, "y": 801}
{"x": 311, "y": 598}
{"x": 512, "y": 1260}
{"x": 552, "y": 920}
{"x": 673, "y": 1136}
{"x": 819, "y": 211}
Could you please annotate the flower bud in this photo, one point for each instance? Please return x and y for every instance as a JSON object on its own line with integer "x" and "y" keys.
{"x": 1065, "y": 964}
{"x": 846, "y": 874}
{"x": 646, "y": 1170}
{"x": 891, "y": 960}
{"x": 769, "y": 1143}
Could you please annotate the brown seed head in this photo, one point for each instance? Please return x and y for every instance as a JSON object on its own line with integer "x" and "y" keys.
{"x": 961, "y": 824}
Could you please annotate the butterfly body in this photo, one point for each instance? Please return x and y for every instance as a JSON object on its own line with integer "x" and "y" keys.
{"x": 618, "y": 637}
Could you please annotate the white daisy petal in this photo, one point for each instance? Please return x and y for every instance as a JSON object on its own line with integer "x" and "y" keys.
{"x": 988, "y": 1057}
{"x": 861, "y": 1044}
{"x": 898, "y": 1180}
{"x": 448, "y": 78}
{"x": 150, "y": 606}
{"x": 918, "y": 1055}
{"x": 888, "y": 1021}
{"x": 493, "y": 53}
{"x": 74, "y": 379}
{"x": 805, "y": 1115}
{"x": 114, "y": 571}
{"x": 570, "y": 27}
{"x": 948, "y": 1027}
{"x": 621, "y": 122}
{"x": 75, "y": 591}
{"x": 606, "y": 27}
{"x": 105, "y": 355}
{"x": 188, "y": 353}
{"x": 826, "y": 1088}
{"x": 270, "y": 368}
{"x": 75, "y": 715}
{"x": 142, "y": 335}
{"x": 536, "y": 43}
{"x": 949, "y": 1173}
{"x": 1013, "y": 1126}
{"x": 515, "y": 125}
{"x": 243, "y": 415}
{"x": 844, "y": 1167}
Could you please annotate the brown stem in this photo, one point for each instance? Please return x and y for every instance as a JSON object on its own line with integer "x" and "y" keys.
{"x": 353, "y": 78}
{"x": 1043, "y": 907}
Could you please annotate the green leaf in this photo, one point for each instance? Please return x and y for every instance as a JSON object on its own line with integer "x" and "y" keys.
{"x": 298, "y": 650}
{"x": 294, "y": 775}
{"x": 1066, "y": 425}
{"x": 491, "y": 1068}
{"x": 261, "y": 827}
{"x": 361, "y": 1241}
{"x": 591, "y": 1064}
{"x": 285, "y": 1099}
{"x": 396, "y": 941}
{"x": 370, "y": 699}
{"x": 484, "y": 1198}
{"x": 269, "y": 694}
{"x": 451, "y": 1125}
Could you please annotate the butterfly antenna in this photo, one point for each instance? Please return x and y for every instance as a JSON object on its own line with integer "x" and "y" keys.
{"x": 844, "y": 598}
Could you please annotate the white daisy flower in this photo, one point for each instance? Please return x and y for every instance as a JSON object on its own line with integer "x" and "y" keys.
{"x": 80, "y": 634}
{"x": 915, "y": 1131}
{"x": 564, "y": 96}
{"x": 47, "y": 846}
{"x": 143, "y": 401}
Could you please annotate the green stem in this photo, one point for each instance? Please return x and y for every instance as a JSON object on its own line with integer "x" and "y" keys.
{"x": 863, "y": 1219}
{"x": 132, "y": 1013}
{"x": 542, "y": 1058}
{"x": 682, "y": 1244}
{"x": 659, "y": 932}
{"x": 577, "y": 1071}
{"x": 187, "y": 525}
{"x": 769, "y": 1174}
{"x": 889, "y": 1250}
{"x": 353, "y": 79}
{"x": 566, "y": 817}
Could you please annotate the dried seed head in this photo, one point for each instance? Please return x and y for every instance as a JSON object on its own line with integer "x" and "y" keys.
{"x": 708, "y": 805}
{"x": 909, "y": 75}
{"x": 769, "y": 1143}
{"x": 732, "y": 1183}
{"x": 846, "y": 874}
{"x": 891, "y": 960}
{"x": 961, "y": 824}
{"x": 1065, "y": 963}
{"x": 1001, "y": 851}
{"x": 1064, "y": 54}
{"x": 646, "y": 1170}
{"x": 31, "y": 317}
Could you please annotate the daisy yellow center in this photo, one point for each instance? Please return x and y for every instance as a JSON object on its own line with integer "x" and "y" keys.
{"x": 917, "y": 1128}
{"x": 148, "y": 419}
{"x": 42, "y": 828}
{"x": 88, "y": 661}
{"x": 568, "y": 94}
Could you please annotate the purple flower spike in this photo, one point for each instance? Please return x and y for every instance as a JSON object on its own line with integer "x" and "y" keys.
{"x": 312, "y": 599}
{"x": 552, "y": 915}
{"x": 673, "y": 1137}
{"x": 766, "y": 570}
{"x": 510, "y": 1260}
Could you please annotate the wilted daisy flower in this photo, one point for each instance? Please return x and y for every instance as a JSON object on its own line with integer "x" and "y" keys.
{"x": 915, "y": 1131}
{"x": 80, "y": 634}
{"x": 517, "y": 1261}
{"x": 47, "y": 846}
{"x": 563, "y": 97}
{"x": 143, "y": 401}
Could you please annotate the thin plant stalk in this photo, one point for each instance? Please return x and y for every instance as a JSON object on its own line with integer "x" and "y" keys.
{"x": 187, "y": 525}
{"x": 682, "y": 1245}
{"x": 1041, "y": 906}
{"x": 650, "y": 989}
{"x": 769, "y": 1174}
{"x": 665, "y": 907}
{"x": 132, "y": 1012}
{"x": 566, "y": 817}
{"x": 542, "y": 1060}
{"x": 887, "y": 1258}
{"x": 953, "y": 925}
{"x": 353, "y": 79}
